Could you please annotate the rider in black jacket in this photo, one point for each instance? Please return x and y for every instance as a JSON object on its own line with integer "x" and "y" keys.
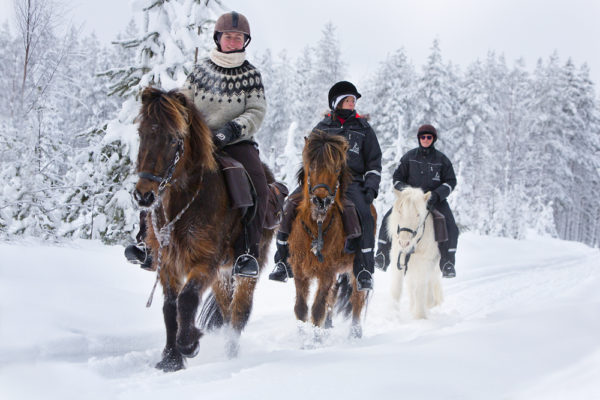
{"x": 364, "y": 160}
{"x": 429, "y": 169}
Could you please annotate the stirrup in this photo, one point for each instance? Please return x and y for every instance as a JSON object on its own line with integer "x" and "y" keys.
{"x": 278, "y": 272}
{"x": 366, "y": 282}
{"x": 246, "y": 265}
{"x": 380, "y": 262}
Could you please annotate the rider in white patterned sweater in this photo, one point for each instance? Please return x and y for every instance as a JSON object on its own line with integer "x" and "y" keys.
{"x": 229, "y": 93}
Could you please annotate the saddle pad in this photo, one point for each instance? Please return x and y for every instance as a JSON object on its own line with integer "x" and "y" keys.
{"x": 240, "y": 189}
{"x": 439, "y": 226}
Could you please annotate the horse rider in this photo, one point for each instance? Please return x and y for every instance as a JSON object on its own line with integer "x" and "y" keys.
{"x": 427, "y": 168}
{"x": 228, "y": 91}
{"x": 364, "y": 161}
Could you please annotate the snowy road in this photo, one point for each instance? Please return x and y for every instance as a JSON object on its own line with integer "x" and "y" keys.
{"x": 520, "y": 321}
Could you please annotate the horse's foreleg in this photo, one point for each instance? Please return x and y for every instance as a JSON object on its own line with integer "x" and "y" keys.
{"x": 188, "y": 335}
{"x": 322, "y": 302}
{"x": 172, "y": 360}
{"x": 301, "y": 307}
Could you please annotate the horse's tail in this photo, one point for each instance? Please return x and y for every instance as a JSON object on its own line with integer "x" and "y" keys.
{"x": 210, "y": 316}
{"x": 342, "y": 293}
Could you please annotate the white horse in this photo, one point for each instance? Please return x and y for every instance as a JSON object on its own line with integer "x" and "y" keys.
{"x": 410, "y": 228}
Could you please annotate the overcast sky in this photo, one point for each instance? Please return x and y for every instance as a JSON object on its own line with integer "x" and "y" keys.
{"x": 370, "y": 29}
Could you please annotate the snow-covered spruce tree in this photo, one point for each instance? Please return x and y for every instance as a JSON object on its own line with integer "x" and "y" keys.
{"x": 306, "y": 108}
{"x": 329, "y": 68}
{"x": 389, "y": 98}
{"x": 437, "y": 102}
{"x": 273, "y": 131}
{"x": 578, "y": 107}
{"x": 33, "y": 126}
{"x": 165, "y": 48}
{"x": 477, "y": 182}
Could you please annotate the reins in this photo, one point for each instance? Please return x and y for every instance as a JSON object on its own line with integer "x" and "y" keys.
{"x": 163, "y": 235}
{"x": 316, "y": 246}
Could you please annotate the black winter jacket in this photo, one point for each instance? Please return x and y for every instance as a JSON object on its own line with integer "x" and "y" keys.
{"x": 428, "y": 169}
{"x": 364, "y": 153}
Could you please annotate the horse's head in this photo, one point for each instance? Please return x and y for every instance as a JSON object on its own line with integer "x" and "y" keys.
{"x": 324, "y": 171}
{"x": 171, "y": 137}
{"x": 407, "y": 222}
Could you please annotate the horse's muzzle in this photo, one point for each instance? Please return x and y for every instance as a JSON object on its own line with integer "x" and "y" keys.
{"x": 145, "y": 199}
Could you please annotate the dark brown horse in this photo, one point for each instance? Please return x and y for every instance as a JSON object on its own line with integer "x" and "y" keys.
{"x": 317, "y": 237}
{"x": 191, "y": 225}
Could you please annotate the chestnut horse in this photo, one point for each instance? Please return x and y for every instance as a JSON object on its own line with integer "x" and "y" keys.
{"x": 191, "y": 226}
{"x": 317, "y": 237}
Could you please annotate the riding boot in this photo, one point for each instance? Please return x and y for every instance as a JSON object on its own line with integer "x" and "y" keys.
{"x": 384, "y": 245}
{"x": 382, "y": 257}
{"x": 447, "y": 266}
{"x": 282, "y": 270}
{"x": 139, "y": 253}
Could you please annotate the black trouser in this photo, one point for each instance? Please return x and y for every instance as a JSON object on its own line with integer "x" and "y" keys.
{"x": 447, "y": 248}
{"x": 247, "y": 154}
{"x": 363, "y": 258}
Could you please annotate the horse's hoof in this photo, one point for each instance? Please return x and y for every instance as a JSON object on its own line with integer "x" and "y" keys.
{"x": 189, "y": 345}
{"x": 356, "y": 332}
{"x": 189, "y": 350}
{"x": 172, "y": 361}
{"x": 232, "y": 348}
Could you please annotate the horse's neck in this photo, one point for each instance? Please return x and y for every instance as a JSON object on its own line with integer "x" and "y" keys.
{"x": 428, "y": 240}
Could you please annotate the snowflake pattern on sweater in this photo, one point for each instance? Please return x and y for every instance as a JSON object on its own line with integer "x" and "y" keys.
{"x": 229, "y": 94}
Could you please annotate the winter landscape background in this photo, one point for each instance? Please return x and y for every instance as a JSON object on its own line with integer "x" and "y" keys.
{"x": 519, "y": 321}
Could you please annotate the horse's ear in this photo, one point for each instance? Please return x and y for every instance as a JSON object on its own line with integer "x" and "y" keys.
{"x": 182, "y": 98}
{"x": 427, "y": 196}
{"x": 147, "y": 94}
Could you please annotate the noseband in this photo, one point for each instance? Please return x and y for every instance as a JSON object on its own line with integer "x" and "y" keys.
{"x": 317, "y": 241}
{"x": 164, "y": 181}
{"x": 328, "y": 200}
{"x": 413, "y": 234}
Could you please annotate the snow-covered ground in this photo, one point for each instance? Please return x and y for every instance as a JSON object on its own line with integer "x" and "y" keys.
{"x": 520, "y": 321}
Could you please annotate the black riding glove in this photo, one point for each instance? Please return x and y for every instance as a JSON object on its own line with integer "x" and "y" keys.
{"x": 226, "y": 134}
{"x": 369, "y": 195}
{"x": 433, "y": 200}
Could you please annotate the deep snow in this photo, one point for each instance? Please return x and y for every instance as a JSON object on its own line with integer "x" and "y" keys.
{"x": 520, "y": 321}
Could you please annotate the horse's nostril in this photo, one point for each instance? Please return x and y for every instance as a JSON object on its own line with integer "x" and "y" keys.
{"x": 149, "y": 198}
{"x": 144, "y": 200}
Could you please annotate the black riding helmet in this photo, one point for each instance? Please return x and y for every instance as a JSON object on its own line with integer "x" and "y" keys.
{"x": 232, "y": 22}
{"x": 339, "y": 89}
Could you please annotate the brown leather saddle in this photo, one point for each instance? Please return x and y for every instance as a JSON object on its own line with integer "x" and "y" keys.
{"x": 242, "y": 193}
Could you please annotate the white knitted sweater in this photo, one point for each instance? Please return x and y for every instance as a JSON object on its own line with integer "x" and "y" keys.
{"x": 226, "y": 87}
